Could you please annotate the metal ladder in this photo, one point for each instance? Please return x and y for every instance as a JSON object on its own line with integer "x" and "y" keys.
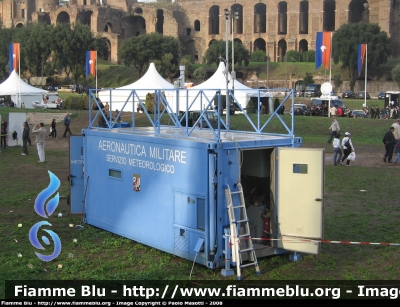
{"x": 236, "y": 224}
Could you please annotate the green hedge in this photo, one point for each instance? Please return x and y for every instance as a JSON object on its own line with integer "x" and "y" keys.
{"x": 76, "y": 103}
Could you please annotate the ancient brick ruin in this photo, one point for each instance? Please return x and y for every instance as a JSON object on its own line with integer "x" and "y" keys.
{"x": 272, "y": 26}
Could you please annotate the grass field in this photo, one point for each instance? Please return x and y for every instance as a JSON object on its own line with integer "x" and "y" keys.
{"x": 360, "y": 204}
{"x": 111, "y": 75}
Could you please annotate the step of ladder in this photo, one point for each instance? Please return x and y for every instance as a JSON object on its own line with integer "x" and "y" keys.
{"x": 235, "y": 219}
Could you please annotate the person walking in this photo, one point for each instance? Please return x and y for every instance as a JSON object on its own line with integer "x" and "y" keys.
{"x": 372, "y": 112}
{"x": 397, "y": 152}
{"x": 348, "y": 147}
{"x": 40, "y": 132}
{"x": 29, "y": 136}
{"x": 389, "y": 142}
{"x": 377, "y": 112}
{"x": 3, "y": 134}
{"x": 396, "y": 133}
{"x": 334, "y": 127}
{"x": 25, "y": 138}
{"x": 67, "y": 122}
{"x": 53, "y": 132}
{"x": 337, "y": 149}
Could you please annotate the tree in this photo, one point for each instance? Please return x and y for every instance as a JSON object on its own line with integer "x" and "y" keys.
{"x": 5, "y": 40}
{"x": 217, "y": 49}
{"x": 396, "y": 74}
{"x": 337, "y": 80}
{"x": 345, "y": 47}
{"x": 293, "y": 56}
{"x": 308, "y": 56}
{"x": 308, "y": 78}
{"x": 200, "y": 74}
{"x": 72, "y": 59}
{"x": 140, "y": 50}
{"x": 258, "y": 56}
{"x": 36, "y": 44}
{"x": 165, "y": 66}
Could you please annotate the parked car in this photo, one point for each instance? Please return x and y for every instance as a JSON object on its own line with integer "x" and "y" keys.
{"x": 90, "y": 88}
{"x": 381, "y": 95}
{"x": 348, "y": 94}
{"x": 193, "y": 116}
{"x": 313, "y": 90}
{"x": 301, "y": 109}
{"x": 319, "y": 106}
{"x": 361, "y": 95}
{"x": 79, "y": 88}
{"x": 358, "y": 114}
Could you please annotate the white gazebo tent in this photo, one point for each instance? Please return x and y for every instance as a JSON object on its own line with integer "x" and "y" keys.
{"x": 217, "y": 82}
{"x": 149, "y": 82}
{"x": 14, "y": 86}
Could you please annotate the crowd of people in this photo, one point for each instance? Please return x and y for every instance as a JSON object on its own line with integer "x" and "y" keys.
{"x": 373, "y": 112}
{"x": 391, "y": 143}
{"x": 346, "y": 144}
{"x": 39, "y": 130}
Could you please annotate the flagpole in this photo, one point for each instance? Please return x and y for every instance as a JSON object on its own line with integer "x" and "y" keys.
{"x": 96, "y": 77}
{"x": 365, "y": 85}
{"x": 19, "y": 75}
{"x": 330, "y": 75}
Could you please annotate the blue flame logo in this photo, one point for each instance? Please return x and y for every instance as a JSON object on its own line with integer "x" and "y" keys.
{"x": 41, "y": 208}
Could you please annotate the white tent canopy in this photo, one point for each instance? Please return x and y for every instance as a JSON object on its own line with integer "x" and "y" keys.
{"x": 149, "y": 82}
{"x": 14, "y": 85}
{"x": 217, "y": 82}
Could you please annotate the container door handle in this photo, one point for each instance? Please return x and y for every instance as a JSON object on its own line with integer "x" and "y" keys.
{"x": 318, "y": 199}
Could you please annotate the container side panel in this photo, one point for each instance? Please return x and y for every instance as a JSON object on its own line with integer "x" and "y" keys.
{"x": 147, "y": 189}
{"x": 76, "y": 175}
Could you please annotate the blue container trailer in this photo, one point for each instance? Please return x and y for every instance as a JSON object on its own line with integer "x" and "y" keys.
{"x": 164, "y": 185}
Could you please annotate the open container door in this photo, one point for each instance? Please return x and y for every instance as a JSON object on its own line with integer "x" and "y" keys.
{"x": 76, "y": 175}
{"x": 300, "y": 191}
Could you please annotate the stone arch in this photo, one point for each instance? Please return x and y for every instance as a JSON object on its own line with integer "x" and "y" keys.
{"x": 85, "y": 17}
{"x": 281, "y": 52}
{"x": 108, "y": 27}
{"x": 358, "y": 11}
{"x": 238, "y": 20}
{"x": 197, "y": 25}
{"x": 282, "y": 17}
{"x": 213, "y": 24}
{"x": 237, "y": 40}
{"x": 159, "y": 21}
{"x": 108, "y": 43}
{"x": 303, "y": 45}
{"x": 303, "y": 17}
{"x": 190, "y": 49}
{"x": 19, "y": 25}
{"x": 260, "y": 44}
{"x": 112, "y": 40}
{"x": 329, "y": 15}
{"x": 260, "y": 18}
{"x": 133, "y": 26}
{"x": 63, "y": 17}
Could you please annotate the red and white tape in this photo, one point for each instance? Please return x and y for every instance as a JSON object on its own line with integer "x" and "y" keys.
{"x": 298, "y": 240}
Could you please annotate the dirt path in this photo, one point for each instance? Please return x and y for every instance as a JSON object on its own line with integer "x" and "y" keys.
{"x": 367, "y": 156}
